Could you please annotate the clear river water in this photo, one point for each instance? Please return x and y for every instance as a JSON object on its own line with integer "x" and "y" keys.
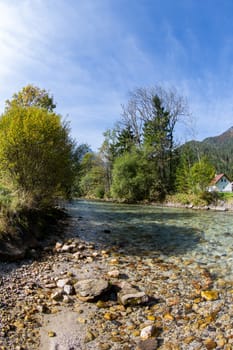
{"x": 204, "y": 238}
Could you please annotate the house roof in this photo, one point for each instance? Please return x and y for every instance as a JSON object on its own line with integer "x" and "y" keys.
{"x": 217, "y": 178}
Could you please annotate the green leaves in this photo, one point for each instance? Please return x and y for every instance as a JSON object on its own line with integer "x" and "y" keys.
{"x": 129, "y": 177}
{"x": 201, "y": 173}
{"x": 93, "y": 180}
{"x": 196, "y": 178}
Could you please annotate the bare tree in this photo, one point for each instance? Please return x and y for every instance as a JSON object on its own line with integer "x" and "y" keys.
{"x": 140, "y": 109}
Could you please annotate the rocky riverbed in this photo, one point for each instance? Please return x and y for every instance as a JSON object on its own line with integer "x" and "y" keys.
{"x": 83, "y": 295}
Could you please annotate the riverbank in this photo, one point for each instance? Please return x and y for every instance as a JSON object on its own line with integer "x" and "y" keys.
{"x": 182, "y": 308}
{"x": 179, "y": 301}
{"x": 204, "y": 201}
{"x": 26, "y": 230}
{"x": 223, "y": 207}
{"x": 183, "y": 202}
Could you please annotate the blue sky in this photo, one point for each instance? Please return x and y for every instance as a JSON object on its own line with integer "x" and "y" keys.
{"x": 90, "y": 53}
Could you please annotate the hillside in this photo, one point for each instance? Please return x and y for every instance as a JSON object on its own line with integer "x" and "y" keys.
{"x": 222, "y": 139}
{"x": 218, "y": 149}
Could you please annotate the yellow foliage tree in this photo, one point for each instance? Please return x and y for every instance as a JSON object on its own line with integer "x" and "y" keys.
{"x": 35, "y": 155}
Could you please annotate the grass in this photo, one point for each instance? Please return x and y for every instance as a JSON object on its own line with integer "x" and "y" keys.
{"x": 225, "y": 195}
{"x": 187, "y": 199}
{"x": 201, "y": 199}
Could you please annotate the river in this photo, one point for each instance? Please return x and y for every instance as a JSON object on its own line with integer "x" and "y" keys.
{"x": 206, "y": 237}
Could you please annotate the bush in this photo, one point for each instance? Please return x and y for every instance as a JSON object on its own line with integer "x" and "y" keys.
{"x": 187, "y": 199}
{"x": 129, "y": 178}
{"x": 99, "y": 192}
{"x": 210, "y": 197}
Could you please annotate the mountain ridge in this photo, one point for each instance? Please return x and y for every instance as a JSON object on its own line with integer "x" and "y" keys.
{"x": 226, "y": 135}
{"x": 218, "y": 150}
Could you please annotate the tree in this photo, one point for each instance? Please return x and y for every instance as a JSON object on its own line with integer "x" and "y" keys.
{"x": 201, "y": 173}
{"x": 78, "y": 154}
{"x": 92, "y": 180}
{"x": 125, "y": 141}
{"x": 35, "y": 155}
{"x": 151, "y": 116}
{"x": 158, "y": 145}
{"x": 108, "y": 154}
{"x": 30, "y": 96}
{"x": 140, "y": 109}
{"x": 130, "y": 178}
{"x": 187, "y": 157}
{"x": 183, "y": 175}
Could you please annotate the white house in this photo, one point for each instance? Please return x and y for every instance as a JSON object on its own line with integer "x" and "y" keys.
{"x": 220, "y": 183}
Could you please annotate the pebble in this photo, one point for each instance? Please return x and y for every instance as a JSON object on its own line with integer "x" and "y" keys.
{"x": 148, "y": 332}
{"x": 209, "y": 295}
{"x": 57, "y": 296}
{"x": 114, "y": 273}
{"x": 210, "y": 344}
{"x": 61, "y": 283}
{"x": 51, "y": 334}
{"x": 89, "y": 337}
{"x": 68, "y": 289}
{"x": 149, "y": 344}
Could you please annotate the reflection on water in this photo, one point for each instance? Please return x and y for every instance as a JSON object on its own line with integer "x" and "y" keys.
{"x": 204, "y": 237}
